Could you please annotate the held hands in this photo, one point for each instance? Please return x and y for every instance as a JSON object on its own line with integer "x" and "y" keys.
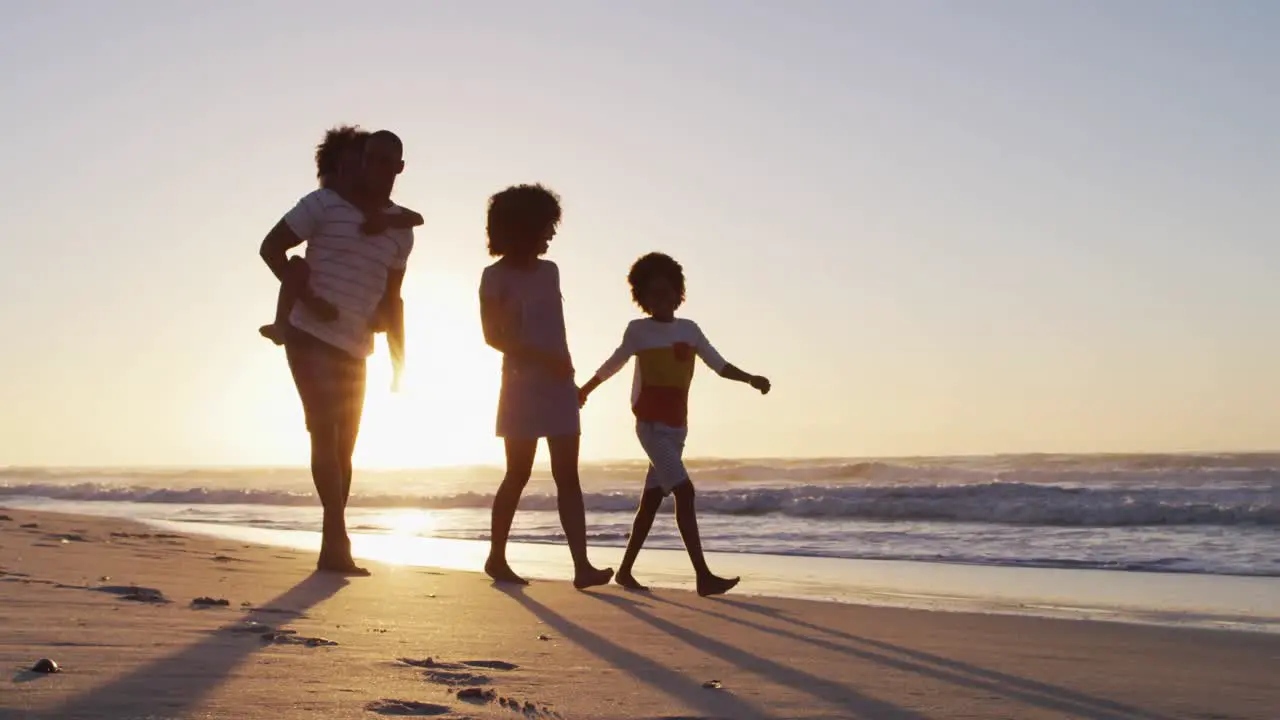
{"x": 760, "y": 383}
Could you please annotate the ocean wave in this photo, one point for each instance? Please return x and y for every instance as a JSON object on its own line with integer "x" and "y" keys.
{"x": 1091, "y": 472}
{"x": 1062, "y": 470}
{"x": 990, "y": 502}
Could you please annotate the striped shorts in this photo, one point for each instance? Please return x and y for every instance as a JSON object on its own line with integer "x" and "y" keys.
{"x": 330, "y": 383}
{"x": 665, "y": 447}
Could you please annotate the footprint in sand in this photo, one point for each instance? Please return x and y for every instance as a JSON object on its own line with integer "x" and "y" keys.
{"x": 295, "y": 614}
{"x": 443, "y": 673}
{"x": 291, "y": 637}
{"x": 134, "y": 593}
{"x": 407, "y": 707}
{"x": 491, "y": 664}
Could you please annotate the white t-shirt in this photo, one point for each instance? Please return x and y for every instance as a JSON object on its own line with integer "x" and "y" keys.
{"x": 348, "y": 268}
{"x": 664, "y": 354}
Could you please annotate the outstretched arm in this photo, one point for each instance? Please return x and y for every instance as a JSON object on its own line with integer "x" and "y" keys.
{"x": 726, "y": 370}
{"x": 616, "y": 362}
{"x": 731, "y": 372}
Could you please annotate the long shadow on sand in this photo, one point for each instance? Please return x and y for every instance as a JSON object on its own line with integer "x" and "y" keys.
{"x": 174, "y": 684}
{"x": 840, "y": 695}
{"x": 1025, "y": 690}
{"x": 681, "y": 687}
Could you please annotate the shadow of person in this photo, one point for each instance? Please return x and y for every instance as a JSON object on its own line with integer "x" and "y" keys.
{"x": 670, "y": 682}
{"x": 834, "y": 693}
{"x": 1025, "y": 690}
{"x": 178, "y": 682}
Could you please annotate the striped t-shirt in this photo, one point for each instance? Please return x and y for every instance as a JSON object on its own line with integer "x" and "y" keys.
{"x": 348, "y": 268}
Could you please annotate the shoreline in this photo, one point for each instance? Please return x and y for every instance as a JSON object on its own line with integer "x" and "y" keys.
{"x": 606, "y": 654}
{"x": 1246, "y": 603}
{"x": 1234, "y": 603}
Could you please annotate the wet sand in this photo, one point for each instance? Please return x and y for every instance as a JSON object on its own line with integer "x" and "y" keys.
{"x": 113, "y": 603}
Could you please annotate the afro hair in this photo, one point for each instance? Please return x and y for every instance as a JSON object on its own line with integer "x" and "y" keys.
{"x": 652, "y": 266}
{"x": 519, "y": 218}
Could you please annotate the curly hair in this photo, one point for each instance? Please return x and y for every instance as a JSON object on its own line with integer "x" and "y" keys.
{"x": 519, "y": 218}
{"x": 330, "y": 151}
{"x": 648, "y": 268}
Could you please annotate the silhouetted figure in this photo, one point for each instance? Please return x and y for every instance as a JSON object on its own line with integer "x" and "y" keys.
{"x": 358, "y": 275}
{"x": 523, "y": 317}
{"x": 340, "y": 143}
{"x": 664, "y": 347}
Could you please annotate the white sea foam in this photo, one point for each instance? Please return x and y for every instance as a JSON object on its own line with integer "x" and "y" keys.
{"x": 1202, "y": 514}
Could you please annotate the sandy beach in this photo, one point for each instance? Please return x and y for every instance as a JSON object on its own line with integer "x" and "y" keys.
{"x": 407, "y": 641}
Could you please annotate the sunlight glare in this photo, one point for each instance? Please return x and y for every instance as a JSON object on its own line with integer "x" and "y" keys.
{"x": 411, "y": 523}
{"x": 443, "y": 414}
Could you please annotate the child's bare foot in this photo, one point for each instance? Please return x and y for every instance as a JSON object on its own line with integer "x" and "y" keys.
{"x": 626, "y": 580}
{"x": 592, "y": 577}
{"x": 501, "y": 572}
{"x": 715, "y": 585}
{"x": 273, "y": 332}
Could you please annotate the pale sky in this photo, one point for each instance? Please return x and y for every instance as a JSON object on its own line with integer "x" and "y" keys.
{"x": 938, "y": 227}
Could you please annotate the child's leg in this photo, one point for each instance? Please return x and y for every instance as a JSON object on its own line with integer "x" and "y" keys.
{"x": 285, "y": 300}
{"x": 650, "y": 502}
{"x": 687, "y": 521}
{"x": 520, "y": 454}
{"x": 573, "y": 513}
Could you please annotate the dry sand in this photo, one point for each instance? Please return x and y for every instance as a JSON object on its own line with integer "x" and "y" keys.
{"x": 65, "y": 594}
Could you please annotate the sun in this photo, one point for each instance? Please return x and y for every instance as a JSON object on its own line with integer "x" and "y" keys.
{"x": 444, "y": 412}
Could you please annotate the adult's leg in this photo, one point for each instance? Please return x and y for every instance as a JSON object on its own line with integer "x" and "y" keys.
{"x": 687, "y": 521}
{"x": 650, "y": 502}
{"x": 353, "y": 413}
{"x": 520, "y": 454}
{"x": 326, "y": 472}
{"x": 573, "y": 514}
{"x": 348, "y": 431}
{"x": 313, "y": 366}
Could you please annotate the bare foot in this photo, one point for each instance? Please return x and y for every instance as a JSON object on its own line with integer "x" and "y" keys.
{"x": 272, "y": 332}
{"x": 626, "y": 580}
{"x": 714, "y": 585}
{"x": 342, "y": 567}
{"x": 501, "y": 572}
{"x": 592, "y": 577}
{"x": 338, "y": 560}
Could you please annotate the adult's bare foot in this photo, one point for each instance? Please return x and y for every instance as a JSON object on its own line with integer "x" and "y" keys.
{"x": 501, "y": 572}
{"x": 626, "y": 580}
{"x": 715, "y": 585}
{"x": 591, "y": 577}
{"x": 342, "y": 566}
